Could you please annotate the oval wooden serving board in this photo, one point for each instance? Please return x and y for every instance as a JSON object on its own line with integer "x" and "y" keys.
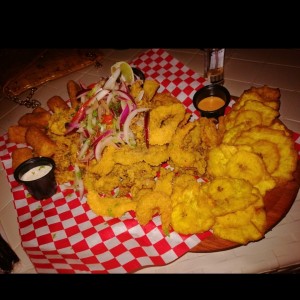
{"x": 277, "y": 204}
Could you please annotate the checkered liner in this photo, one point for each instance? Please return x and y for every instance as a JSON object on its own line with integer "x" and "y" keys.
{"x": 62, "y": 235}
{"x": 174, "y": 77}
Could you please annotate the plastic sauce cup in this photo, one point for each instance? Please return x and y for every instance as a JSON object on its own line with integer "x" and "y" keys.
{"x": 37, "y": 174}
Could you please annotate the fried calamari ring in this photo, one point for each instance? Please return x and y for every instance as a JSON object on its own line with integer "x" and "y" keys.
{"x": 185, "y": 147}
{"x": 151, "y": 203}
{"x": 163, "y": 122}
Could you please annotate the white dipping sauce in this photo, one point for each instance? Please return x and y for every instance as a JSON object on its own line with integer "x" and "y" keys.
{"x": 36, "y": 173}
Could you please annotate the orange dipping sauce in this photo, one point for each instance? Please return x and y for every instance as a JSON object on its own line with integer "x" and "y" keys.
{"x": 211, "y": 103}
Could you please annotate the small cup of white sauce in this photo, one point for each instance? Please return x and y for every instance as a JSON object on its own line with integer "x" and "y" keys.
{"x": 37, "y": 174}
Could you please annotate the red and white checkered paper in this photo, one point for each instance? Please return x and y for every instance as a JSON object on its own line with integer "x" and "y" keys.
{"x": 62, "y": 235}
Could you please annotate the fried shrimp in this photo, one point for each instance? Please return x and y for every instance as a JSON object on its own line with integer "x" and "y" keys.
{"x": 149, "y": 204}
{"x": 109, "y": 206}
{"x": 163, "y": 122}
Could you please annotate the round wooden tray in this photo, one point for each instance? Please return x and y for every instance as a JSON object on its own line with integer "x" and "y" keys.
{"x": 277, "y": 204}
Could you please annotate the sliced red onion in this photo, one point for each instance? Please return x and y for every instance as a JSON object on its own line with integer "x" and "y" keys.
{"x": 124, "y": 115}
{"x": 101, "y": 136}
{"x": 108, "y": 140}
{"x": 124, "y": 95}
{"x": 109, "y": 98}
{"x": 89, "y": 156}
{"x": 126, "y": 129}
{"x": 101, "y": 94}
{"x": 140, "y": 96}
{"x": 110, "y": 83}
{"x": 146, "y": 128}
{"x": 79, "y": 116}
{"x": 84, "y": 148}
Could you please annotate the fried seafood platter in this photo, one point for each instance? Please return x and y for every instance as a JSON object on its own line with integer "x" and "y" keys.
{"x": 126, "y": 147}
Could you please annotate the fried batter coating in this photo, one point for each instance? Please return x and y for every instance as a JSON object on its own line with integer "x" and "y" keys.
{"x": 163, "y": 99}
{"x": 126, "y": 155}
{"x": 16, "y": 134}
{"x": 38, "y": 119}
{"x": 152, "y": 203}
{"x": 105, "y": 165}
{"x": 19, "y": 155}
{"x": 56, "y": 103}
{"x": 186, "y": 145}
{"x": 244, "y": 155}
{"x": 164, "y": 182}
{"x": 150, "y": 87}
{"x": 65, "y": 156}
{"x": 155, "y": 155}
{"x": 58, "y": 121}
{"x": 42, "y": 145}
{"x": 163, "y": 121}
{"x": 109, "y": 206}
{"x": 140, "y": 176}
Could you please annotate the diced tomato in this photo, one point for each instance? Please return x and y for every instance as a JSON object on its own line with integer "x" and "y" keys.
{"x": 90, "y": 86}
{"x": 107, "y": 119}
